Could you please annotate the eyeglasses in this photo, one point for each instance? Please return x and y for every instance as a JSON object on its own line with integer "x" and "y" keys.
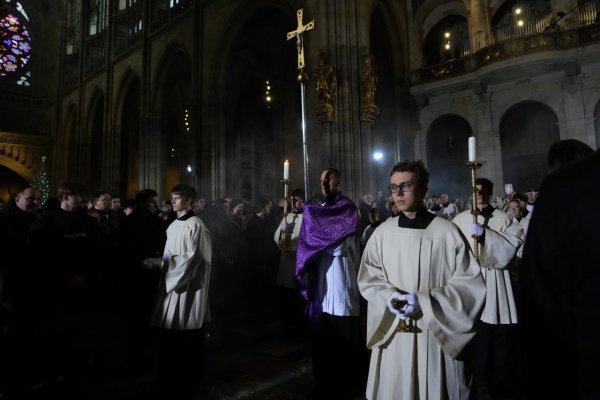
{"x": 402, "y": 186}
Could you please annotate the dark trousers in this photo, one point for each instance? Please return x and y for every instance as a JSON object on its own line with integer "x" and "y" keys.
{"x": 494, "y": 358}
{"x": 340, "y": 357}
{"x": 180, "y": 360}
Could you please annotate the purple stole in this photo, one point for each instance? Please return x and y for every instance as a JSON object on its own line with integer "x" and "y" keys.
{"x": 322, "y": 227}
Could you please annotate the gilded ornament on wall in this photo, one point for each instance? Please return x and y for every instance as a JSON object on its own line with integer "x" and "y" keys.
{"x": 325, "y": 79}
{"x": 368, "y": 85}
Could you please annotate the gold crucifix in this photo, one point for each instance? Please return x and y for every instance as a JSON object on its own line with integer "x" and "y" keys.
{"x": 298, "y": 34}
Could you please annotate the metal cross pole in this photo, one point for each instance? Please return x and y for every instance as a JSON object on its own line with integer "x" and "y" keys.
{"x": 300, "y": 29}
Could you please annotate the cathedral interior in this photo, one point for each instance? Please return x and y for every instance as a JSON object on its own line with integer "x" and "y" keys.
{"x": 123, "y": 95}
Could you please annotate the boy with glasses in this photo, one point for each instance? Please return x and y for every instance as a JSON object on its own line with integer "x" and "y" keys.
{"x": 424, "y": 294}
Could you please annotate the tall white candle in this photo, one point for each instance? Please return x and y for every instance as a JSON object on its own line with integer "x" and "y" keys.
{"x": 472, "y": 149}
{"x": 286, "y": 170}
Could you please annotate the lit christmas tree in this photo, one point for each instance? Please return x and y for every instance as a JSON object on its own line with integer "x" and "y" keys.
{"x": 41, "y": 183}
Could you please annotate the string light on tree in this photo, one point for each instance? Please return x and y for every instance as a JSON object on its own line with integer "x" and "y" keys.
{"x": 186, "y": 121}
{"x": 268, "y": 97}
{"x": 41, "y": 182}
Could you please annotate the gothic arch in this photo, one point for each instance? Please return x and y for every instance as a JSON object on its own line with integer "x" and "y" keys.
{"x": 128, "y": 78}
{"x": 67, "y": 147}
{"x": 527, "y": 130}
{"x": 127, "y": 133}
{"x": 395, "y": 23}
{"x": 387, "y": 133}
{"x": 171, "y": 145}
{"x": 244, "y": 135}
{"x": 447, "y": 139}
{"x": 173, "y": 51}
{"x": 93, "y": 141}
{"x": 234, "y": 29}
{"x": 432, "y": 12}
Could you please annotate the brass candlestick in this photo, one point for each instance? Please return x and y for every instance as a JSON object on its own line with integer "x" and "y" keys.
{"x": 283, "y": 235}
{"x": 473, "y": 166}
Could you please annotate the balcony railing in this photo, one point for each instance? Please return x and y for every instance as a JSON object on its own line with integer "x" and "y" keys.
{"x": 516, "y": 47}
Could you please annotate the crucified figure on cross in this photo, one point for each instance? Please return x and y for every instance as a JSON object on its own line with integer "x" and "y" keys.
{"x": 298, "y": 34}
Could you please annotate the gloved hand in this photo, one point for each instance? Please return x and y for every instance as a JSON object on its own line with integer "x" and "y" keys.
{"x": 477, "y": 230}
{"x": 395, "y": 303}
{"x": 166, "y": 256}
{"x": 151, "y": 263}
{"x": 283, "y": 225}
{"x": 403, "y": 305}
{"x": 412, "y": 306}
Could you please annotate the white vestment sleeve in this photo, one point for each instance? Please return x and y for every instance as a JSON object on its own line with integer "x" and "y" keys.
{"x": 499, "y": 248}
{"x": 182, "y": 268}
{"x": 450, "y": 311}
{"x": 376, "y": 289}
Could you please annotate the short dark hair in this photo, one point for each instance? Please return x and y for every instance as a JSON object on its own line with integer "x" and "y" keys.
{"x": 298, "y": 192}
{"x": 185, "y": 190}
{"x": 144, "y": 195}
{"x": 262, "y": 203}
{"x": 129, "y": 203}
{"x": 335, "y": 172}
{"x": 486, "y": 184}
{"x": 98, "y": 194}
{"x": 417, "y": 167}
{"x": 21, "y": 190}
{"x": 69, "y": 188}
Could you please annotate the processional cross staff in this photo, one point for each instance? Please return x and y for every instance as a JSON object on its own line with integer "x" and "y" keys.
{"x": 298, "y": 34}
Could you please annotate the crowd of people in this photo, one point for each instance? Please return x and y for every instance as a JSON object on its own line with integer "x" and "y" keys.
{"x": 411, "y": 298}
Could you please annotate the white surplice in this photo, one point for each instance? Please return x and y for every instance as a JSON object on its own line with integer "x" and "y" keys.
{"x": 435, "y": 263}
{"x": 503, "y": 237}
{"x": 183, "y": 287}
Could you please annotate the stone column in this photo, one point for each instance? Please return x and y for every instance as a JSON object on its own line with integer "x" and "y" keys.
{"x": 565, "y": 6}
{"x": 342, "y": 32}
{"x": 575, "y": 125}
{"x": 479, "y": 25}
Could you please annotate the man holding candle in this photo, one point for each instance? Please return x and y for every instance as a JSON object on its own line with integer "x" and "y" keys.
{"x": 326, "y": 268}
{"x": 499, "y": 237}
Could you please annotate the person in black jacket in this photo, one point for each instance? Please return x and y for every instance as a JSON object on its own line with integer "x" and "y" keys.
{"x": 65, "y": 246}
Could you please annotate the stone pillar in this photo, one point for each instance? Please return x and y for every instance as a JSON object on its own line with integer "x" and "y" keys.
{"x": 571, "y": 18}
{"x": 153, "y": 164}
{"x": 574, "y": 124}
{"x": 479, "y": 25}
{"x": 342, "y": 32}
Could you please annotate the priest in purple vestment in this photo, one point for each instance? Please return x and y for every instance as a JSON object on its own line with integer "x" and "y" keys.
{"x": 327, "y": 264}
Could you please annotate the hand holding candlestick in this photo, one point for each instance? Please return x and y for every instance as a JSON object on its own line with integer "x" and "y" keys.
{"x": 474, "y": 165}
{"x": 405, "y": 307}
{"x": 283, "y": 236}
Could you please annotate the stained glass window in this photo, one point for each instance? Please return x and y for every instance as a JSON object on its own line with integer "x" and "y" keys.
{"x": 15, "y": 42}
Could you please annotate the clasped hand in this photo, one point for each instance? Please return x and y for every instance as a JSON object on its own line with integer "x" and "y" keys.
{"x": 410, "y": 307}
